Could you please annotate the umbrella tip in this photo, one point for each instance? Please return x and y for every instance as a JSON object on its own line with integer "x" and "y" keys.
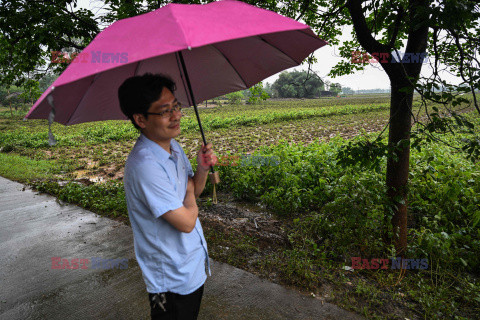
{"x": 189, "y": 48}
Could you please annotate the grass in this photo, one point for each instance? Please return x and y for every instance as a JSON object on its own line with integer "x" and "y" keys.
{"x": 25, "y": 170}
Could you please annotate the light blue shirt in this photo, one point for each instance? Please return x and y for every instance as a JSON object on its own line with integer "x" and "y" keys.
{"x": 156, "y": 182}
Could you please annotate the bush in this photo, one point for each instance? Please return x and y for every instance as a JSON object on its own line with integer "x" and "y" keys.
{"x": 344, "y": 206}
{"x": 235, "y": 97}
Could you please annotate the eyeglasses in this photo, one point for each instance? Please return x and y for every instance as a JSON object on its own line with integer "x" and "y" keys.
{"x": 167, "y": 113}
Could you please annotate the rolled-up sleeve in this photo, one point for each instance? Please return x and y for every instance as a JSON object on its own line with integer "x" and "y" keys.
{"x": 155, "y": 190}
{"x": 189, "y": 168}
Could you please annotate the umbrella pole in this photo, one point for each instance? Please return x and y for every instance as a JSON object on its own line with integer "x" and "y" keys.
{"x": 214, "y": 177}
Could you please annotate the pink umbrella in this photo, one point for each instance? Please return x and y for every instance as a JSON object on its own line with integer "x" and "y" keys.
{"x": 208, "y": 50}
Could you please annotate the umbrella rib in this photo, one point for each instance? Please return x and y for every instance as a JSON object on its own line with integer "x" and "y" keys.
{"x": 235, "y": 69}
{"x": 182, "y": 75}
{"x": 136, "y": 68}
{"x": 314, "y": 36}
{"x": 83, "y": 97}
{"x": 271, "y": 45}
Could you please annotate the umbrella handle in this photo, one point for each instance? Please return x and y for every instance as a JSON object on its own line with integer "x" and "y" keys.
{"x": 51, "y": 117}
{"x": 213, "y": 175}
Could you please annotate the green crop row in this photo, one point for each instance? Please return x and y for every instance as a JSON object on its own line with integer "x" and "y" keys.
{"x": 36, "y": 136}
{"x": 212, "y": 121}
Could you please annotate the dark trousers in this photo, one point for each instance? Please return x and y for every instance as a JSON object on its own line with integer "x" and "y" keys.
{"x": 173, "y": 306}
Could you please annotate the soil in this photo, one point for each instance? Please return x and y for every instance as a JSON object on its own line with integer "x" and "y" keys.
{"x": 229, "y": 216}
{"x": 261, "y": 231}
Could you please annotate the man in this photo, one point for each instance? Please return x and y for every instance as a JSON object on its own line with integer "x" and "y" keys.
{"x": 161, "y": 191}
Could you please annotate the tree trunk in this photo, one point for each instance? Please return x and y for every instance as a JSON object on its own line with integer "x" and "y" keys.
{"x": 398, "y": 162}
{"x": 400, "y": 105}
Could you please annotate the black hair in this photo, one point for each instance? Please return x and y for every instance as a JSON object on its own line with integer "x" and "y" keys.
{"x": 136, "y": 94}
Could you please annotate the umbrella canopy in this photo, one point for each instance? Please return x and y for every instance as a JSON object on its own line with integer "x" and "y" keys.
{"x": 220, "y": 47}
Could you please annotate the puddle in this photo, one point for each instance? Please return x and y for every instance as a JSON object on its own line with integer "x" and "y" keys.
{"x": 85, "y": 177}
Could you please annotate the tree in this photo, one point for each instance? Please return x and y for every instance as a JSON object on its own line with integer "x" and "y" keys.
{"x": 31, "y": 30}
{"x": 257, "y": 93}
{"x": 347, "y": 90}
{"x": 336, "y": 87}
{"x": 31, "y": 91}
{"x": 298, "y": 84}
{"x": 327, "y": 85}
{"x": 46, "y": 80}
{"x": 234, "y": 97}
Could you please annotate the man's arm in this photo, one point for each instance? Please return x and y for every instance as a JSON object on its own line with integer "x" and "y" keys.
{"x": 184, "y": 218}
{"x": 199, "y": 179}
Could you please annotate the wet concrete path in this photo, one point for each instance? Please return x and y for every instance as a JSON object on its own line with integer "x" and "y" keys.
{"x": 34, "y": 228}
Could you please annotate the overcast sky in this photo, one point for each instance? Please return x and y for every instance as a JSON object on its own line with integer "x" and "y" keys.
{"x": 372, "y": 77}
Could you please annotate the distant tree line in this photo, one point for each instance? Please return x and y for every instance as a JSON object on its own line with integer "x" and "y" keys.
{"x": 373, "y": 91}
{"x": 302, "y": 84}
{"x": 295, "y": 84}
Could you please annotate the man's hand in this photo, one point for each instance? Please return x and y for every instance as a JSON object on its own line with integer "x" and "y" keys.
{"x": 206, "y": 158}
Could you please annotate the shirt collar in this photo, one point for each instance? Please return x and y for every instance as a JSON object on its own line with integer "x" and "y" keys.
{"x": 160, "y": 153}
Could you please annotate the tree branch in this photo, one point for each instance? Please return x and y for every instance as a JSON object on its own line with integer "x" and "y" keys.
{"x": 418, "y": 36}
{"x": 462, "y": 60}
{"x": 396, "y": 27}
{"x": 305, "y": 6}
{"x": 364, "y": 34}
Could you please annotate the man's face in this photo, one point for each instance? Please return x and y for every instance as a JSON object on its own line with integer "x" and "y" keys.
{"x": 158, "y": 128}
